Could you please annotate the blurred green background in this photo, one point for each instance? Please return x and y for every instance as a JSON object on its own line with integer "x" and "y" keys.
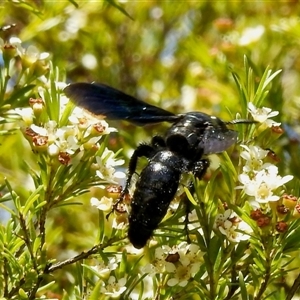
{"x": 178, "y": 55}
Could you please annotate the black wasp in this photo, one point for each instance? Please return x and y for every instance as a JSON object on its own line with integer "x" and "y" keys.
{"x": 191, "y": 136}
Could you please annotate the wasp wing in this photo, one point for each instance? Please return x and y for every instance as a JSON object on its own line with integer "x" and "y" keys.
{"x": 104, "y": 100}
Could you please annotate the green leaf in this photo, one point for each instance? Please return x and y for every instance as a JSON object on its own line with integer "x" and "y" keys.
{"x": 19, "y": 95}
{"x": 215, "y": 252}
{"x": 96, "y": 291}
{"x": 242, "y": 285}
{"x": 29, "y": 203}
{"x": 190, "y": 196}
{"x": 119, "y": 7}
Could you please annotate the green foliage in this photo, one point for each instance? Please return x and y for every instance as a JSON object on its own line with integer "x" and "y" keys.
{"x": 56, "y": 160}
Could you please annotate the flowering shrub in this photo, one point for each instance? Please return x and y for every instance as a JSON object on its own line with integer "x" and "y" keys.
{"x": 235, "y": 237}
{"x": 226, "y": 232}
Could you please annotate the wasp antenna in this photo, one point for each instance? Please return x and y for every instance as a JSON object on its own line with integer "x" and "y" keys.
{"x": 242, "y": 121}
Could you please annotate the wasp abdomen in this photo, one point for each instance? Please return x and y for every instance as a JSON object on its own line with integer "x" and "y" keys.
{"x": 155, "y": 189}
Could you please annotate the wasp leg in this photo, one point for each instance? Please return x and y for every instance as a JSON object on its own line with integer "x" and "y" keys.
{"x": 198, "y": 170}
{"x": 143, "y": 150}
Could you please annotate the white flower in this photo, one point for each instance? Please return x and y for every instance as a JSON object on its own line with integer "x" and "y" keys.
{"x": 26, "y": 114}
{"x": 104, "y": 203}
{"x": 189, "y": 255}
{"x": 254, "y": 156}
{"x": 15, "y": 41}
{"x": 260, "y": 179}
{"x": 193, "y": 219}
{"x": 120, "y": 222}
{"x": 263, "y": 115}
{"x": 182, "y": 262}
{"x": 114, "y": 288}
{"x": 251, "y": 35}
{"x": 89, "y": 124}
{"x": 29, "y": 55}
{"x": 105, "y": 172}
{"x": 59, "y": 139}
{"x": 159, "y": 264}
{"x": 109, "y": 159}
{"x": 263, "y": 183}
{"x": 39, "y": 130}
{"x": 181, "y": 277}
{"x": 104, "y": 269}
{"x": 33, "y": 54}
{"x": 230, "y": 225}
{"x": 104, "y": 166}
{"x": 53, "y": 150}
{"x": 187, "y": 264}
{"x": 149, "y": 269}
{"x": 60, "y": 85}
{"x": 66, "y": 140}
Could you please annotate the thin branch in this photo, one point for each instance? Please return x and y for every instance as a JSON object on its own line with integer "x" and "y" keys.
{"x": 85, "y": 254}
{"x": 293, "y": 289}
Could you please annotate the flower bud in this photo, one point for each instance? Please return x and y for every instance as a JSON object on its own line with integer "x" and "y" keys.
{"x": 37, "y": 105}
{"x": 282, "y": 210}
{"x": 256, "y": 214}
{"x": 282, "y": 226}
{"x": 113, "y": 191}
{"x": 40, "y": 143}
{"x": 40, "y": 68}
{"x": 296, "y": 211}
{"x": 289, "y": 201}
{"x": 263, "y": 221}
{"x": 64, "y": 158}
{"x": 8, "y": 52}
